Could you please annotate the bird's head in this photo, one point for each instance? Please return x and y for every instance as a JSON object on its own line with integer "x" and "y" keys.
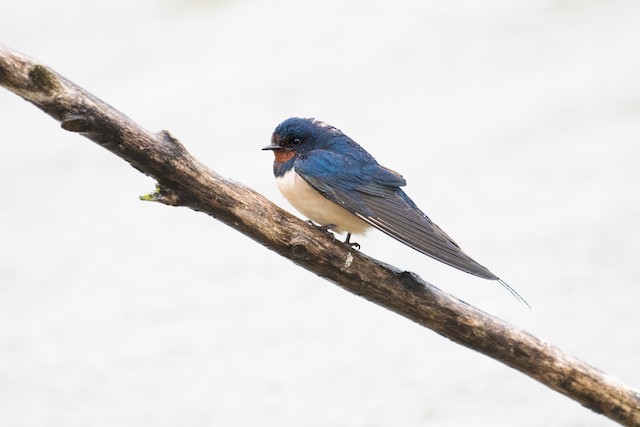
{"x": 297, "y": 136}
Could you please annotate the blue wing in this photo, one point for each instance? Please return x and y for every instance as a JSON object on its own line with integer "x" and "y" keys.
{"x": 370, "y": 191}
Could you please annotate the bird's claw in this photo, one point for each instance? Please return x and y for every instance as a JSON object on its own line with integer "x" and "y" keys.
{"x": 324, "y": 228}
{"x": 351, "y": 244}
{"x": 328, "y": 227}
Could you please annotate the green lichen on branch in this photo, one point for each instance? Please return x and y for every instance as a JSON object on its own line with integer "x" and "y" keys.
{"x": 43, "y": 79}
{"x": 152, "y": 197}
{"x": 162, "y": 195}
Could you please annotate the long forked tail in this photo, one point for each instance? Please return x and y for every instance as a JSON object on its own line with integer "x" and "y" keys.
{"x": 513, "y": 292}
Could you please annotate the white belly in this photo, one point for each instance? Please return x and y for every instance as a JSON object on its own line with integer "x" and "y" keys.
{"x": 316, "y": 207}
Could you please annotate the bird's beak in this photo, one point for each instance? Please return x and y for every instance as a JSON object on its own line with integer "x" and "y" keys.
{"x": 275, "y": 143}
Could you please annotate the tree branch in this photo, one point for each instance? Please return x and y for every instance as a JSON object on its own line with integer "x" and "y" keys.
{"x": 184, "y": 181}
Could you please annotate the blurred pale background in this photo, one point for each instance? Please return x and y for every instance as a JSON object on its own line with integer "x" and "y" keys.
{"x": 516, "y": 124}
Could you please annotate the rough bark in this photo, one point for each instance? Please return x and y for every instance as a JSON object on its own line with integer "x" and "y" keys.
{"x": 184, "y": 181}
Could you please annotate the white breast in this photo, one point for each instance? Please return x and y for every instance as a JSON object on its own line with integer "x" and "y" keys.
{"x": 316, "y": 207}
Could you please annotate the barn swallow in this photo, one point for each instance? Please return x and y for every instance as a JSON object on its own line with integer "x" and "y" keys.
{"x": 338, "y": 185}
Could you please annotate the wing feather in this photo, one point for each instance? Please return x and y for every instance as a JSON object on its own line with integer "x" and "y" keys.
{"x": 373, "y": 194}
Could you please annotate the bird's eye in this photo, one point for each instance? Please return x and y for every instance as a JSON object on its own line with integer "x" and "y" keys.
{"x": 296, "y": 142}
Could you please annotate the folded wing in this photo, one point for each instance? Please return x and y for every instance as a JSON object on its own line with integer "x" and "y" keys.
{"x": 373, "y": 193}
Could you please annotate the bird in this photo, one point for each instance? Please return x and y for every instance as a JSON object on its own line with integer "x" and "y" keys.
{"x": 339, "y": 186}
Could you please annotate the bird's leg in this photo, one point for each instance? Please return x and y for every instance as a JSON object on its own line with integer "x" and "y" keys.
{"x": 352, "y": 244}
{"x": 324, "y": 228}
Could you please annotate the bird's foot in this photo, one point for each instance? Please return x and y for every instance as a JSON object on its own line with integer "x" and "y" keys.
{"x": 324, "y": 228}
{"x": 352, "y": 244}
